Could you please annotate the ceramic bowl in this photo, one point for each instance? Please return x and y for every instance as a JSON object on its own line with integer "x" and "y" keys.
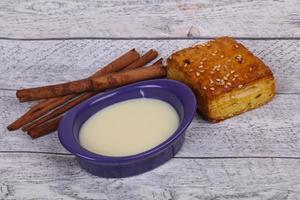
{"x": 175, "y": 93}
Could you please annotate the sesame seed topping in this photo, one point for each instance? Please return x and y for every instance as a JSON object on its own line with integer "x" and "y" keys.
{"x": 218, "y": 70}
{"x": 233, "y": 79}
{"x": 216, "y": 51}
{"x": 217, "y": 79}
{"x": 200, "y": 66}
{"x": 213, "y": 54}
{"x": 227, "y": 75}
{"x": 250, "y": 69}
{"x": 185, "y": 64}
{"x": 236, "y": 75}
{"x": 191, "y": 70}
{"x": 212, "y": 88}
{"x": 232, "y": 71}
{"x": 236, "y": 46}
{"x": 229, "y": 60}
{"x": 202, "y": 70}
{"x": 228, "y": 83}
{"x": 222, "y": 56}
{"x": 239, "y": 58}
{"x": 208, "y": 45}
{"x": 212, "y": 72}
{"x": 204, "y": 88}
{"x": 240, "y": 86}
{"x": 225, "y": 86}
{"x": 197, "y": 74}
{"x": 225, "y": 78}
{"x": 204, "y": 59}
{"x": 211, "y": 81}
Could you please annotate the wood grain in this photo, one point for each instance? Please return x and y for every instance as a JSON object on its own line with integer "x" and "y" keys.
{"x": 151, "y": 18}
{"x": 60, "y": 177}
{"x": 37, "y": 63}
{"x": 270, "y": 131}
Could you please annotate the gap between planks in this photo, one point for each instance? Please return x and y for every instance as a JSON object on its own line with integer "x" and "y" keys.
{"x": 179, "y": 157}
{"x": 147, "y": 38}
{"x": 277, "y": 93}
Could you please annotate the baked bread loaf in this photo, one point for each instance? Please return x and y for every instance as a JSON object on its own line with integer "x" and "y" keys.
{"x": 226, "y": 77}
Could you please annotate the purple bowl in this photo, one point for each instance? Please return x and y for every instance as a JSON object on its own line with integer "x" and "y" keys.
{"x": 175, "y": 93}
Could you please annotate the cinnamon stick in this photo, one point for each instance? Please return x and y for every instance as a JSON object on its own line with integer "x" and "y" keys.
{"x": 145, "y": 59}
{"x": 154, "y": 71}
{"x": 38, "y": 111}
{"x": 60, "y": 110}
{"x": 127, "y": 77}
{"x": 96, "y": 83}
{"x": 64, "y": 89}
{"x": 119, "y": 63}
{"x": 45, "y": 128}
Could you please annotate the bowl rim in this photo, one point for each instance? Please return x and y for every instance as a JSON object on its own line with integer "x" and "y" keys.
{"x": 183, "y": 92}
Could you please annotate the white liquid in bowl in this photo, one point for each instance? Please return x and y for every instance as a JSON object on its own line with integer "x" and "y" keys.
{"x": 129, "y": 127}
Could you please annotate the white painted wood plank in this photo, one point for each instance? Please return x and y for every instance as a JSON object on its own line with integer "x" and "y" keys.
{"x": 60, "y": 177}
{"x": 149, "y": 18}
{"x": 272, "y": 130}
{"x": 37, "y": 63}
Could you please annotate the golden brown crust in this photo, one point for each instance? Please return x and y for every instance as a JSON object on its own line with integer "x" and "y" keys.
{"x": 219, "y": 67}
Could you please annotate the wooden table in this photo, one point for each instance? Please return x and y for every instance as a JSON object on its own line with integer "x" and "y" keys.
{"x": 253, "y": 156}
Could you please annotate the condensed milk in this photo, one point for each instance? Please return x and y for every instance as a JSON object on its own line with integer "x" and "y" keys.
{"x": 129, "y": 127}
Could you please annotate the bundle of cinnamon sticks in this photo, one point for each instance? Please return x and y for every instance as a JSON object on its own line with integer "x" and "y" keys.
{"x": 55, "y": 100}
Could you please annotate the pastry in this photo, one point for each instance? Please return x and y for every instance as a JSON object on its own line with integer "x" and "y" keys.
{"x": 226, "y": 77}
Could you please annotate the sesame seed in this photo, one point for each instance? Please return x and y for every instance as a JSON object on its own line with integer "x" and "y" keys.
{"x": 185, "y": 64}
{"x": 222, "y": 56}
{"x": 232, "y": 71}
{"x": 204, "y": 88}
{"x": 216, "y": 51}
{"x": 200, "y": 66}
{"x": 212, "y": 88}
{"x": 228, "y": 83}
{"x": 227, "y": 75}
{"x": 222, "y": 83}
{"x": 225, "y": 86}
{"x": 239, "y": 58}
{"x": 218, "y": 70}
{"x": 208, "y": 45}
{"x": 225, "y": 78}
{"x": 197, "y": 74}
{"x": 250, "y": 69}
{"x": 217, "y": 79}
{"x": 229, "y": 60}
{"x": 202, "y": 70}
{"x": 213, "y": 54}
{"x": 236, "y": 46}
{"x": 240, "y": 86}
{"x": 204, "y": 59}
{"x": 190, "y": 69}
{"x": 216, "y": 67}
{"x": 236, "y": 75}
{"x": 233, "y": 79}
{"x": 211, "y": 81}
{"x": 212, "y": 72}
